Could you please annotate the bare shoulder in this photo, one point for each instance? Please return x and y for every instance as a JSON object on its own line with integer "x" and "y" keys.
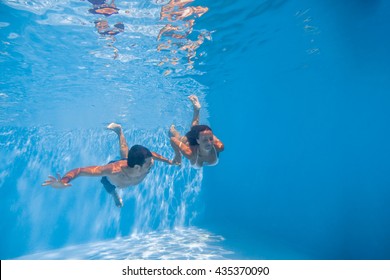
{"x": 117, "y": 166}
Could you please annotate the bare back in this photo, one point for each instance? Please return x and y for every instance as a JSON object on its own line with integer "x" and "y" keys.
{"x": 124, "y": 176}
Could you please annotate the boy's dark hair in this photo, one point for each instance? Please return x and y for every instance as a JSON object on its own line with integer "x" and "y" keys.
{"x": 193, "y": 134}
{"x": 137, "y": 155}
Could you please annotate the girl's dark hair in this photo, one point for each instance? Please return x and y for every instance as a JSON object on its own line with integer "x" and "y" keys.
{"x": 137, "y": 155}
{"x": 193, "y": 134}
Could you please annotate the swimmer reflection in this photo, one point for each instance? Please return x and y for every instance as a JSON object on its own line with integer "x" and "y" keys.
{"x": 184, "y": 16}
{"x": 102, "y": 7}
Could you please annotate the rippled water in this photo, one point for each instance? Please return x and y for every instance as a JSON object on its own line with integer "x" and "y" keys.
{"x": 177, "y": 244}
{"x": 56, "y": 65}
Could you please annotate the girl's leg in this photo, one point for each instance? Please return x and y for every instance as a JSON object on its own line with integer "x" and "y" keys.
{"x": 124, "y": 149}
{"x": 173, "y": 133}
{"x": 196, "y": 104}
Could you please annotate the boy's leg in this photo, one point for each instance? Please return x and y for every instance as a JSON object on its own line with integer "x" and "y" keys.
{"x": 124, "y": 149}
{"x": 111, "y": 189}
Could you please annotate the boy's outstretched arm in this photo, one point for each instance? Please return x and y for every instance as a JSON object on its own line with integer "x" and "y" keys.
{"x": 92, "y": 171}
{"x": 158, "y": 157}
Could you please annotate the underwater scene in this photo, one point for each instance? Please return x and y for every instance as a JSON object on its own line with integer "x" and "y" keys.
{"x": 265, "y": 123}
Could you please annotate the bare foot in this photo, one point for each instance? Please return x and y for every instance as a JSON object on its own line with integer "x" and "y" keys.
{"x": 115, "y": 127}
{"x": 195, "y": 101}
{"x": 117, "y": 199}
{"x": 173, "y": 132}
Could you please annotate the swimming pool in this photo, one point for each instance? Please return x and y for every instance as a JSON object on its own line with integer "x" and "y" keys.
{"x": 296, "y": 90}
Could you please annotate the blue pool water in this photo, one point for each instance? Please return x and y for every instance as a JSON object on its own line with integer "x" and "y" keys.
{"x": 298, "y": 91}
